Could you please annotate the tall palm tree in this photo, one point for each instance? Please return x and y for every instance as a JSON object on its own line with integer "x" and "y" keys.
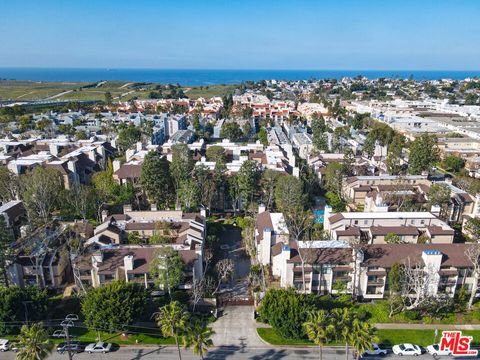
{"x": 172, "y": 319}
{"x": 342, "y": 320}
{"x": 199, "y": 337}
{"x": 318, "y": 329}
{"x": 362, "y": 336}
{"x": 34, "y": 343}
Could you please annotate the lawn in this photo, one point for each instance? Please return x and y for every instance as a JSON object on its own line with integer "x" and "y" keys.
{"x": 208, "y": 91}
{"x": 149, "y": 337}
{"x": 387, "y": 337}
{"x": 270, "y": 336}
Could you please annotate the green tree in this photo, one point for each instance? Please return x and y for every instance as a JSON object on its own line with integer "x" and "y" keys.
{"x": 289, "y": 193}
{"x": 362, "y": 336}
{"x": 134, "y": 238}
{"x": 348, "y": 162}
{"x": 155, "y": 179}
{"x": 189, "y": 195}
{"x": 12, "y": 309}
{"x": 9, "y": 185}
{"x": 335, "y": 201}
{"x": 392, "y": 238}
{"x": 114, "y": 306}
{"x": 172, "y": 320}
{"x": 181, "y": 167}
{"x": 263, "y": 136}
{"x": 34, "y": 343}
{"x": 286, "y": 311}
{"x": 108, "y": 98}
{"x": 216, "y": 153}
{"x": 472, "y": 227}
{"x": 453, "y": 163}
{"x": 166, "y": 268}
{"x": 369, "y": 146}
{"x": 394, "y": 155}
{"x": 247, "y": 179}
{"x": 424, "y": 154}
{"x": 334, "y": 173}
{"x": 439, "y": 195}
{"x": 81, "y": 135}
{"x": 318, "y": 329}
{"x": 41, "y": 189}
{"x": 128, "y": 137}
{"x": 6, "y": 250}
{"x": 231, "y": 131}
{"x": 342, "y": 318}
{"x": 198, "y": 336}
{"x": 43, "y": 124}
{"x": 319, "y": 136}
{"x": 268, "y": 182}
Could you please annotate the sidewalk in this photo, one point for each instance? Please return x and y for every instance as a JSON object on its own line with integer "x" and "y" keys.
{"x": 427, "y": 326}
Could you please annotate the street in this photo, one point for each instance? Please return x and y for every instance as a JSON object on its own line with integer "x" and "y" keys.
{"x": 226, "y": 352}
{"x": 222, "y": 352}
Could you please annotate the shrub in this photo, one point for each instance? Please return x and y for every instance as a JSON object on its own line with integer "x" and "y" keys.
{"x": 411, "y": 315}
{"x": 12, "y": 308}
{"x": 285, "y": 311}
{"x": 114, "y": 306}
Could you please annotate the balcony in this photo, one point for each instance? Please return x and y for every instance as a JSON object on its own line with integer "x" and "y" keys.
{"x": 375, "y": 282}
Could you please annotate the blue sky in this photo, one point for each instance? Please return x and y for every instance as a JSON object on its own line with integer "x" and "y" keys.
{"x": 242, "y": 34}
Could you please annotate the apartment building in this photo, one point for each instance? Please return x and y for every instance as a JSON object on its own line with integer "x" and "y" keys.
{"x": 391, "y": 193}
{"x": 373, "y": 227}
{"x": 331, "y": 268}
{"x": 109, "y": 256}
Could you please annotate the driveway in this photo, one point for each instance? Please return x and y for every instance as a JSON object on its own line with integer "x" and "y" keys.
{"x": 236, "y": 327}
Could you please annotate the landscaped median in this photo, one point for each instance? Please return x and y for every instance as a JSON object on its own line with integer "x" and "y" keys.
{"x": 387, "y": 337}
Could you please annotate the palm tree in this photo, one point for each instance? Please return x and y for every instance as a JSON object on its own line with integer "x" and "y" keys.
{"x": 362, "y": 336}
{"x": 172, "y": 319}
{"x": 34, "y": 343}
{"x": 318, "y": 329}
{"x": 199, "y": 337}
{"x": 342, "y": 321}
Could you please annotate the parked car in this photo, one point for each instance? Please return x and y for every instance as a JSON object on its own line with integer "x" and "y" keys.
{"x": 435, "y": 350}
{"x": 407, "y": 349}
{"x": 4, "y": 345}
{"x": 15, "y": 347}
{"x": 99, "y": 347}
{"x": 376, "y": 350}
{"x": 75, "y": 346}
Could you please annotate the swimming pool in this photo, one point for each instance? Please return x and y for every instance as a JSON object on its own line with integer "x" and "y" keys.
{"x": 319, "y": 215}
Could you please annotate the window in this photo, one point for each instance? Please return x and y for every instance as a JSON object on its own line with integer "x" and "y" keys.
{"x": 422, "y": 222}
{"x": 365, "y": 222}
{"x": 412, "y": 221}
{"x": 356, "y": 222}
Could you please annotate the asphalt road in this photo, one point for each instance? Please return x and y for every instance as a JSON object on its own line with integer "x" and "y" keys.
{"x": 231, "y": 352}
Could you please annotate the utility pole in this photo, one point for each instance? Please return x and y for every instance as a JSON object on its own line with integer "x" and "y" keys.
{"x": 66, "y": 324}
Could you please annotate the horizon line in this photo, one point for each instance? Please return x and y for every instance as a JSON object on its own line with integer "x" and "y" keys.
{"x": 224, "y": 69}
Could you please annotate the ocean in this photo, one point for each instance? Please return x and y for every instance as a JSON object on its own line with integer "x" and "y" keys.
{"x": 212, "y": 77}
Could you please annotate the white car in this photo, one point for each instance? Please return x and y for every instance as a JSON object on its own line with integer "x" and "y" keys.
{"x": 4, "y": 345}
{"x": 435, "y": 350}
{"x": 376, "y": 350}
{"x": 99, "y": 347}
{"x": 407, "y": 349}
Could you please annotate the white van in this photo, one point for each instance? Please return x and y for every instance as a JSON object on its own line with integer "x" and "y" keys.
{"x": 4, "y": 345}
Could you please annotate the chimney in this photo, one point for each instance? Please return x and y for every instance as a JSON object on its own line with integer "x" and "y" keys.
{"x": 97, "y": 258}
{"x": 203, "y": 212}
{"x": 116, "y": 165}
{"x": 128, "y": 262}
{"x": 127, "y": 208}
{"x": 53, "y": 148}
{"x": 153, "y": 207}
{"x": 139, "y": 146}
{"x": 261, "y": 208}
{"x": 104, "y": 215}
